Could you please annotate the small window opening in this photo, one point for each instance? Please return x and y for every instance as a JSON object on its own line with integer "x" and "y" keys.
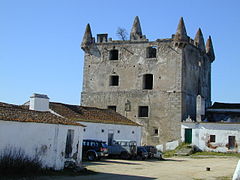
{"x": 152, "y": 52}
{"x": 155, "y": 132}
{"x": 113, "y": 54}
{"x": 143, "y": 111}
{"x": 147, "y": 81}
{"x": 231, "y": 142}
{"x": 69, "y": 143}
{"x": 114, "y": 80}
{"x": 114, "y": 108}
{"x": 118, "y": 131}
{"x": 212, "y": 138}
{"x": 102, "y": 130}
{"x": 133, "y": 132}
{"x": 84, "y": 129}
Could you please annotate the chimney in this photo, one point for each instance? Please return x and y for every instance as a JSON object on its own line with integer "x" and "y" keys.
{"x": 39, "y": 102}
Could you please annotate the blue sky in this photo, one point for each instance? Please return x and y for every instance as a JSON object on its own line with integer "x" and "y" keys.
{"x": 40, "y": 41}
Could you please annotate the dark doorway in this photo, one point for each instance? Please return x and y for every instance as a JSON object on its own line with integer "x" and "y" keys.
{"x": 231, "y": 142}
{"x": 69, "y": 143}
{"x": 110, "y": 138}
{"x": 188, "y": 136}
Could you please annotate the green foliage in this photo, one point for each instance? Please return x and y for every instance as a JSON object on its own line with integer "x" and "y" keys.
{"x": 173, "y": 152}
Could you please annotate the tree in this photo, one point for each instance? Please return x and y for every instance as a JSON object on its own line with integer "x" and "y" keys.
{"x": 122, "y": 33}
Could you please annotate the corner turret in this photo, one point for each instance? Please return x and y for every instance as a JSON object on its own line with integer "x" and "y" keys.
{"x": 87, "y": 38}
{"x": 136, "y": 32}
{"x": 181, "y": 33}
{"x": 199, "y": 40}
{"x": 209, "y": 49}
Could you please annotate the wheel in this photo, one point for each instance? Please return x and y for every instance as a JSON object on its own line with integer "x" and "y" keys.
{"x": 124, "y": 155}
{"x": 91, "y": 156}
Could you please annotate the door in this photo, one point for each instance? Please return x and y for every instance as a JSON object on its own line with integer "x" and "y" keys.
{"x": 231, "y": 142}
{"x": 110, "y": 138}
{"x": 188, "y": 136}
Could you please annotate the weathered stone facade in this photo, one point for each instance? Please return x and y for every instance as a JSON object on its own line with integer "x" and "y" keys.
{"x": 154, "y": 83}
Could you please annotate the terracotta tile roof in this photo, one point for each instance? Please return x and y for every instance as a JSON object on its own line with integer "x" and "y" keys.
{"x": 10, "y": 112}
{"x": 90, "y": 114}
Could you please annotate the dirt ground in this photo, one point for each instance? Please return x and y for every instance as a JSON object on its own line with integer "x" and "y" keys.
{"x": 176, "y": 168}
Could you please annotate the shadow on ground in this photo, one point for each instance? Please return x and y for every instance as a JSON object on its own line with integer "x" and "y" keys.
{"x": 104, "y": 162}
{"x": 105, "y": 176}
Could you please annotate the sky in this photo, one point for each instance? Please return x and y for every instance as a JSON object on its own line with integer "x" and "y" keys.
{"x": 40, "y": 41}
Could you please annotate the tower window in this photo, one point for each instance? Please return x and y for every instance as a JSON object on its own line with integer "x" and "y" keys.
{"x": 143, "y": 111}
{"x": 114, "y": 108}
{"x": 114, "y": 80}
{"x": 113, "y": 54}
{"x": 155, "y": 131}
{"x": 151, "y": 52}
{"x": 148, "y": 81}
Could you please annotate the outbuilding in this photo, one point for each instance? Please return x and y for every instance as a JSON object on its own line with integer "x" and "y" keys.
{"x": 101, "y": 124}
{"x": 39, "y": 133}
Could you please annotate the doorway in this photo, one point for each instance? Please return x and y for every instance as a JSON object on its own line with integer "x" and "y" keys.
{"x": 188, "y": 136}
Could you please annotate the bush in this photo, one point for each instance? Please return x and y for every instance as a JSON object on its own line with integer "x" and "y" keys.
{"x": 15, "y": 162}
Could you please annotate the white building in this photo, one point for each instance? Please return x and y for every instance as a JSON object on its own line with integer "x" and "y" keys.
{"x": 101, "y": 124}
{"x": 53, "y": 139}
{"x": 215, "y": 136}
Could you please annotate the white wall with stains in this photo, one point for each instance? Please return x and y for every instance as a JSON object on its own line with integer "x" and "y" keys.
{"x": 47, "y": 141}
{"x": 100, "y": 131}
{"x": 222, "y": 131}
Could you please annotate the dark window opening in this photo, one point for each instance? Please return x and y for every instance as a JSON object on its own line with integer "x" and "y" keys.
{"x": 133, "y": 132}
{"x": 114, "y": 80}
{"x": 69, "y": 143}
{"x": 143, "y": 111}
{"x": 152, "y": 52}
{"x": 231, "y": 142}
{"x": 212, "y": 138}
{"x": 84, "y": 129}
{"x": 148, "y": 81}
{"x": 118, "y": 131}
{"x": 156, "y": 132}
{"x": 113, "y": 54}
{"x": 102, "y": 130}
{"x": 114, "y": 108}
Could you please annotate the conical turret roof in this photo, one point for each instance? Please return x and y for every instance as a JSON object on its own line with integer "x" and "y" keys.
{"x": 87, "y": 38}
{"x": 199, "y": 40}
{"x": 136, "y": 32}
{"x": 181, "y": 33}
{"x": 209, "y": 49}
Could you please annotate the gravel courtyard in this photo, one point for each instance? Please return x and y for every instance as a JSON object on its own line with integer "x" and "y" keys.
{"x": 173, "y": 168}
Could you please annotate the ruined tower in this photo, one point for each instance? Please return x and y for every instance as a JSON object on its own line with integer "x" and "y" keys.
{"x": 154, "y": 83}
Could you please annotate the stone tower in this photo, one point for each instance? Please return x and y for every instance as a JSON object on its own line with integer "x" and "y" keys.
{"x": 154, "y": 83}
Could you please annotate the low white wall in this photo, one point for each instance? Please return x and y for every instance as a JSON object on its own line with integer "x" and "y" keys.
{"x": 47, "y": 141}
{"x": 201, "y": 135}
{"x": 121, "y": 132}
{"x": 171, "y": 145}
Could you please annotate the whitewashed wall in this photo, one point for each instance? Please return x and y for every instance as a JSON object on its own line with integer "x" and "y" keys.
{"x": 47, "y": 141}
{"x": 201, "y": 135}
{"x": 94, "y": 131}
